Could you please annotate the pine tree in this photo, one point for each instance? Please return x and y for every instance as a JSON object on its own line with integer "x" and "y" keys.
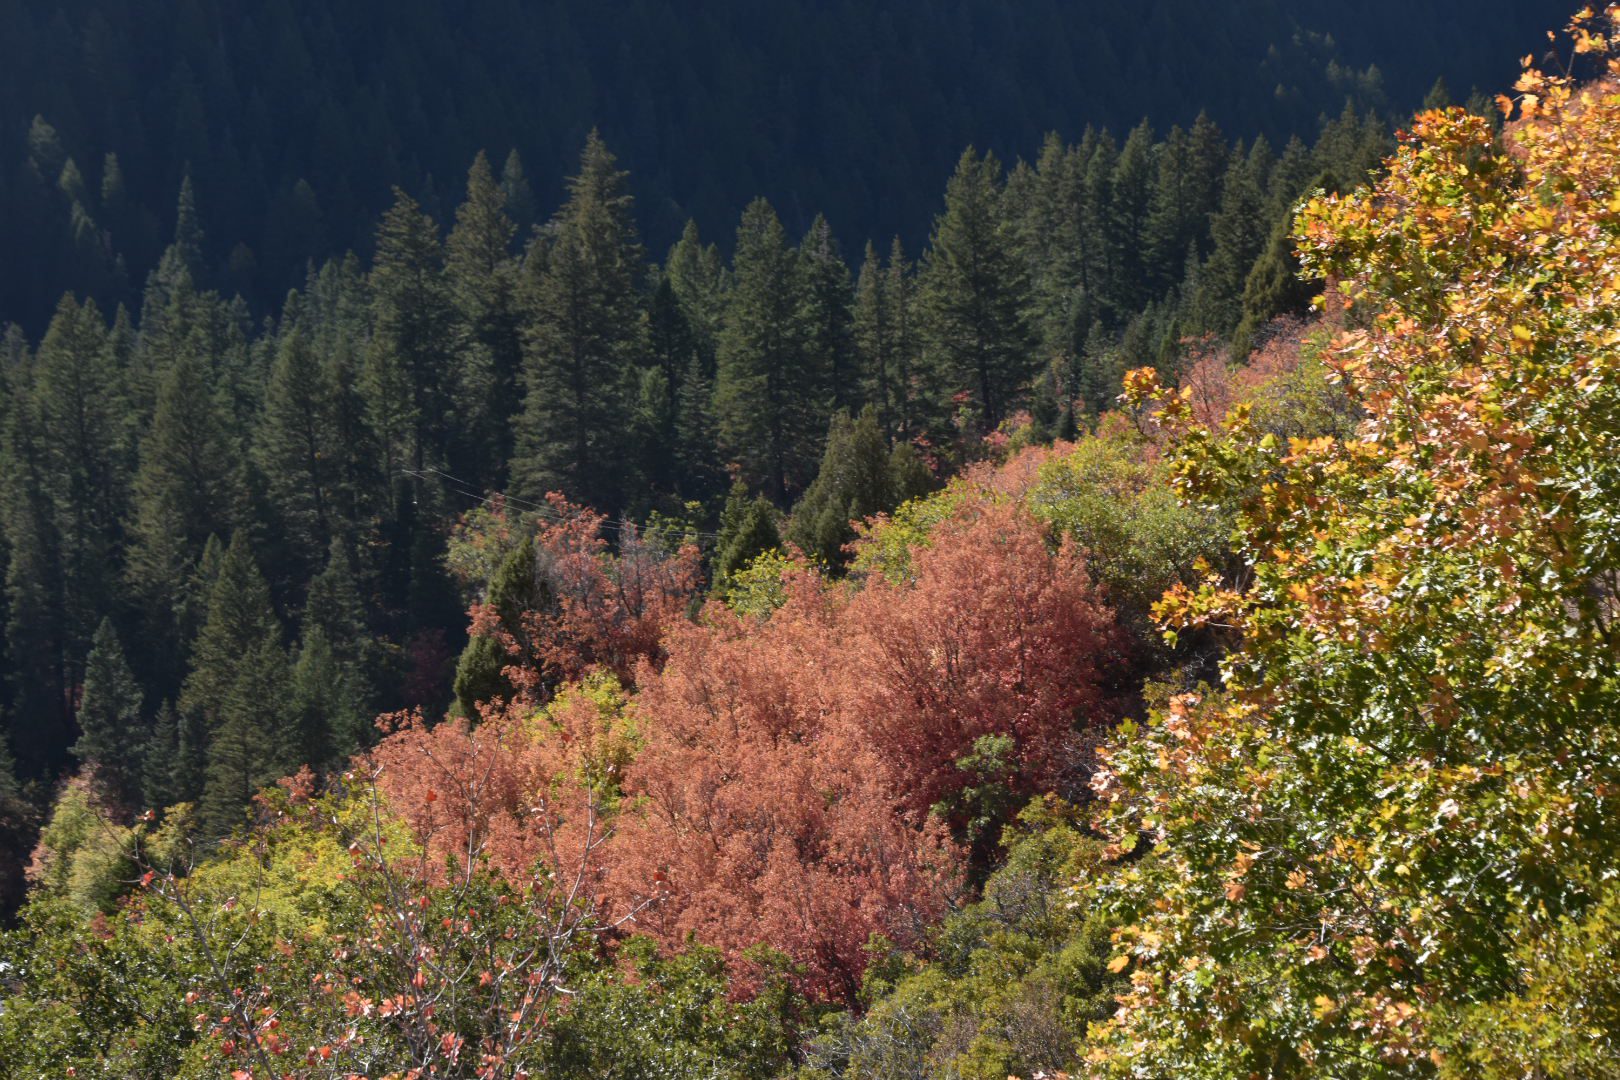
{"x": 905, "y": 342}
{"x": 747, "y": 530}
{"x": 587, "y": 334}
{"x": 409, "y": 374}
{"x": 299, "y": 449}
{"x": 767, "y": 392}
{"x": 972, "y": 287}
{"x": 829, "y": 341}
{"x": 253, "y": 742}
{"x": 163, "y": 762}
{"x": 1274, "y": 285}
{"x": 519, "y": 196}
{"x": 515, "y": 589}
{"x": 854, "y": 483}
{"x": 1239, "y": 233}
{"x": 326, "y": 714}
{"x": 111, "y": 732}
{"x": 672, "y": 350}
{"x": 697, "y": 274}
{"x": 64, "y": 493}
{"x": 240, "y": 620}
{"x": 1129, "y": 209}
{"x": 697, "y": 434}
{"x": 483, "y": 279}
{"x": 189, "y": 486}
{"x": 191, "y": 761}
{"x": 333, "y": 605}
{"x": 188, "y": 232}
{"x": 872, "y": 335}
{"x": 1052, "y": 242}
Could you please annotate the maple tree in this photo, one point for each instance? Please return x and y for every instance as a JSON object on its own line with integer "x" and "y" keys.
{"x": 591, "y": 604}
{"x": 1386, "y": 848}
{"x": 801, "y": 764}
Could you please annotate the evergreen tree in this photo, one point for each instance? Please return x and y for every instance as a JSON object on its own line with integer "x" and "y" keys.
{"x": 747, "y": 530}
{"x": 327, "y": 713}
{"x": 299, "y": 450}
{"x": 519, "y": 196}
{"x": 697, "y": 434}
{"x": 333, "y": 605}
{"x": 904, "y": 342}
{"x": 189, "y": 486}
{"x": 409, "y": 376}
{"x": 253, "y": 742}
{"x": 111, "y": 733}
{"x": 240, "y": 620}
{"x": 871, "y": 331}
{"x": 1274, "y": 285}
{"x": 829, "y": 341}
{"x": 975, "y": 330}
{"x": 697, "y": 274}
{"x": 854, "y": 483}
{"x": 483, "y": 279}
{"x": 587, "y": 334}
{"x": 515, "y": 589}
{"x": 64, "y": 493}
{"x": 767, "y": 390}
{"x": 672, "y": 350}
{"x": 162, "y": 761}
{"x": 1052, "y": 241}
{"x": 1238, "y": 230}
{"x": 1129, "y": 209}
{"x": 187, "y": 248}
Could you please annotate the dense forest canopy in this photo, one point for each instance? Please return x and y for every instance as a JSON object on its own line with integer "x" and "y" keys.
{"x": 293, "y": 119}
{"x": 1155, "y": 619}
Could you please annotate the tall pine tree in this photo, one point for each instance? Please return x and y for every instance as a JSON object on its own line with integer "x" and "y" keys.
{"x": 586, "y": 336}
{"x": 768, "y": 390}
{"x": 111, "y": 732}
{"x": 972, "y": 295}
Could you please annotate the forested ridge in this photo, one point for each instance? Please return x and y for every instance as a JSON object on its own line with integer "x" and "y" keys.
{"x": 1158, "y": 625}
{"x": 294, "y": 119}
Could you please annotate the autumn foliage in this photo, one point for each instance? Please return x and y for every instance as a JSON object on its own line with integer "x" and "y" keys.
{"x": 600, "y": 605}
{"x": 791, "y": 764}
{"x": 808, "y": 777}
{"x": 1387, "y": 847}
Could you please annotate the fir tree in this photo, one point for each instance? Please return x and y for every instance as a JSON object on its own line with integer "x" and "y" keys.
{"x": 483, "y": 281}
{"x": 672, "y": 350}
{"x": 972, "y": 287}
{"x": 240, "y": 620}
{"x": 872, "y": 334}
{"x": 326, "y": 713}
{"x": 829, "y": 342}
{"x": 409, "y": 376}
{"x": 189, "y": 486}
{"x": 253, "y": 742}
{"x": 767, "y": 391}
{"x": 519, "y": 196}
{"x": 298, "y": 448}
{"x": 514, "y": 590}
{"x": 854, "y": 483}
{"x": 697, "y": 274}
{"x": 111, "y": 732}
{"x": 1239, "y": 232}
{"x": 747, "y": 530}
{"x": 162, "y": 760}
{"x": 587, "y": 334}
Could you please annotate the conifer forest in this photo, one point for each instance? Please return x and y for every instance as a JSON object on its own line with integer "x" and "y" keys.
{"x": 809, "y": 541}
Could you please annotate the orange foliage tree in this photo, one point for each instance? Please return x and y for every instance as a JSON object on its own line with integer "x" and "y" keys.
{"x": 792, "y": 763}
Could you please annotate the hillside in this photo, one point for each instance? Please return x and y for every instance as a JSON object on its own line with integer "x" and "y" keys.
{"x": 294, "y": 119}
